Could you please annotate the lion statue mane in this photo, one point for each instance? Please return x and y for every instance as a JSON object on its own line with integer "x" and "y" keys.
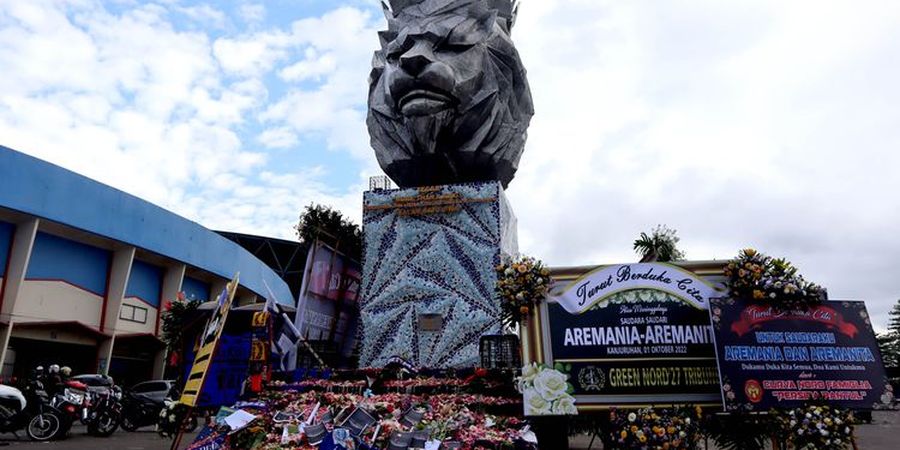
{"x": 449, "y": 101}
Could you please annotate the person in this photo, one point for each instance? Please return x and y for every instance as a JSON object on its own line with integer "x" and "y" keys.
{"x": 54, "y": 383}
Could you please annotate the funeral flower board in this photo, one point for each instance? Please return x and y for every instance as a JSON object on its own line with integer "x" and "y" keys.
{"x": 633, "y": 334}
{"x": 785, "y": 358}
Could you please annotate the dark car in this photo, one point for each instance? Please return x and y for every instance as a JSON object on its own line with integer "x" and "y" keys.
{"x": 95, "y": 382}
{"x": 156, "y": 390}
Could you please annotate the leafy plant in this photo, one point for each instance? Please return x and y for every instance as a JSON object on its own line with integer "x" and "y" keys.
{"x": 737, "y": 431}
{"x": 329, "y": 225}
{"x": 175, "y": 318}
{"x": 661, "y": 245}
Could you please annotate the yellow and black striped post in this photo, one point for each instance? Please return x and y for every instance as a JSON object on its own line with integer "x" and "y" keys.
{"x": 208, "y": 343}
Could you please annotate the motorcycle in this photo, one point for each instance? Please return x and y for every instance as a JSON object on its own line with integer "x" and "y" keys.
{"x": 71, "y": 399}
{"x": 103, "y": 412}
{"x": 30, "y": 409}
{"x": 138, "y": 411}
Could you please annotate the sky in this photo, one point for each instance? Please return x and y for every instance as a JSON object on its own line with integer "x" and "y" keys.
{"x": 758, "y": 123}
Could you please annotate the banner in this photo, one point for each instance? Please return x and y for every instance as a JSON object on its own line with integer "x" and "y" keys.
{"x": 327, "y": 308}
{"x": 772, "y": 358}
{"x": 633, "y": 335}
{"x": 596, "y": 286}
{"x": 210, "y": 338}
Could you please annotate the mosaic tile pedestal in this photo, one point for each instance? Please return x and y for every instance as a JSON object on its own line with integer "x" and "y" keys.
{"x": 428, "y": 272}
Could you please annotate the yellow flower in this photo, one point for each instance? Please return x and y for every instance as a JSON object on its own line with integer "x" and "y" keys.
{"x": 634, "y": 428}
{"x": 758, "y": 294}
{"x": 750, "y": 252}
{"x": 623, "y": 434}
{"x": 643, "y": 439}
{"x": 523, "y": 269}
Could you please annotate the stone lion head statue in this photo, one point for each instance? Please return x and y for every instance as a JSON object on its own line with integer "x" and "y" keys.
{"x": 448, "y": 98}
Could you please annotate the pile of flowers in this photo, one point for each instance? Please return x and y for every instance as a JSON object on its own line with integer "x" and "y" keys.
{"x": 322, "y": 385}
{"x": 815, "y": 427}
{"x": 521, "y": 285}
{"x": 648, "y": 428}
{"x": 447, "y": 417}
{"x": 462, "y": 413}
{"x": 414, "y": 385}
{"x": 546, "y": 391}
{"x": 755, "y": 276}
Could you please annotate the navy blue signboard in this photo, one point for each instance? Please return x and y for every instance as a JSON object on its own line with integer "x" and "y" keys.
{"x": 649, "y": 348}
{"x": 227, "y": 372}
{"x": 772, "y": 358}
{"x": 628, "y": 335}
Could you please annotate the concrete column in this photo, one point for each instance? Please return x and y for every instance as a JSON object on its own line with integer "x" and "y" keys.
{"x": 19, "y": 256}
{"x": 171, "y": 286}
{"x": 119, "y": 272}
{"x": 17, "y": 267}
{"x": 159, "y": 364}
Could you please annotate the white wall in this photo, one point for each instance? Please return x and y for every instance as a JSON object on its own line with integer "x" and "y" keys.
{"x": 127, "y": 326}
{"x": 43, "y": 301}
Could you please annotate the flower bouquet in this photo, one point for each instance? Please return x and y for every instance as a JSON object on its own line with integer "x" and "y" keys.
{"x": 757, "y": 277}
{"x": 546, "y": 391}
{"x": 521, "y": 285}
{"x": 649, "y": 428}
{"x": 815, "y": 427}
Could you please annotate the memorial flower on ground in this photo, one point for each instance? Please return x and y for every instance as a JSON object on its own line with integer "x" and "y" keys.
{"x": 758, "y": 277}
{"x": 521, "y": 285}
{"x": 815, "y": 427}
{"x": 649, "y": 428}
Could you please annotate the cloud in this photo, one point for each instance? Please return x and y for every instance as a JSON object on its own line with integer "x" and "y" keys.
{"x": 156, "y": 109}
{"x": 252, "y": 12}
{"x": 739, "y": 123}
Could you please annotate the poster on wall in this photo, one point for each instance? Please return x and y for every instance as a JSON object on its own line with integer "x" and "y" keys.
{"x": 633, "y": 334}
{"x": 772, "y": 358}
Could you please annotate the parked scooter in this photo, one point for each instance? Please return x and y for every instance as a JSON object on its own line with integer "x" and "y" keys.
{"x": 29, "y": 409}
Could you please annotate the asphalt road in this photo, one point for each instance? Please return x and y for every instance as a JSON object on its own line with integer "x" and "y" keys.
{"x": 880, "y": 435}
{"x": 143, "y": 439}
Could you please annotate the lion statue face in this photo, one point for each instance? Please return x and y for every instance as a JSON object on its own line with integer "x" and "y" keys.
{"x": 448, "y": 97}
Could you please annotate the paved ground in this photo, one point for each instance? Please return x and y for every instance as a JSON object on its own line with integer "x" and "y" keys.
{"x": 882, "y": 434}
{"x": 143, "y": 439}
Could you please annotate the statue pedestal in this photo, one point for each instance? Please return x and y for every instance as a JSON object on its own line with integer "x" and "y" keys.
{"x": 428, "y": 272}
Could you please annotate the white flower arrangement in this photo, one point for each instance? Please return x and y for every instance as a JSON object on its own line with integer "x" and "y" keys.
{"x": 546, "y": 391}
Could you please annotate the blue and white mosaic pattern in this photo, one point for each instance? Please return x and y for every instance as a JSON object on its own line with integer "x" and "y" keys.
{"x": 436, "y": 264}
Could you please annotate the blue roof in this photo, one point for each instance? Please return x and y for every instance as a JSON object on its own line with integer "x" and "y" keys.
{"x": 41, "y": 189}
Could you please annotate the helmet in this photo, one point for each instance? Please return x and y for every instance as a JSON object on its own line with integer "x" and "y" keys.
{"x": 54, "y": 368}
{"x": 39, "y": 369}
{"x": 65, "y": 371}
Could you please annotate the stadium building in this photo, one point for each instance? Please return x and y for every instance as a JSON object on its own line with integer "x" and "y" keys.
{"x": 87, "y": 268}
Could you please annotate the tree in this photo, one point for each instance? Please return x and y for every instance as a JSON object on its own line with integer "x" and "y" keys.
{"x": 661, "y": 245}
{"x": 894, "y": 320}
{"x": 890, "y": 349}
{"x": 329, "y": 225}
{"x": 889, "y": 343}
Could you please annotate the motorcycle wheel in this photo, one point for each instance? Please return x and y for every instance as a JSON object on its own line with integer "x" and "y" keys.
{"x": 128, "y": 425}
{"x": 103, "y": 426}
{"x": 44, "y": 427}
{"x": 191, "y": 425}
